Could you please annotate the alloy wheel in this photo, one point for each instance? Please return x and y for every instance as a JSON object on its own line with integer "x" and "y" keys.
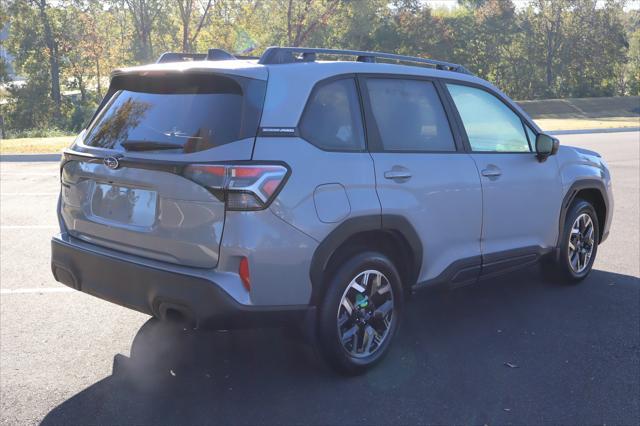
{"x": 365, "y": 314}
{"x": 581, "y": 243}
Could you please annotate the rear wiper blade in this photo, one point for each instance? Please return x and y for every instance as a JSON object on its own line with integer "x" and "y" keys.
{"x": 149, "y": 145}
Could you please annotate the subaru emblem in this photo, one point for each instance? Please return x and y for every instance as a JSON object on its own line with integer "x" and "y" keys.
{"x": 111, "y": 162}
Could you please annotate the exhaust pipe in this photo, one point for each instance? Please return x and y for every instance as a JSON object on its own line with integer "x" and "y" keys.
{"x": 175, "y": 313}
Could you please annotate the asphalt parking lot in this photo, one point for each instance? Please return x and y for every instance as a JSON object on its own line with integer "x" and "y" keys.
{"x": 574, "y": 351}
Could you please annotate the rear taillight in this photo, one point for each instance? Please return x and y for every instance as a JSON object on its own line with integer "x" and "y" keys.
{"x": 243, "y": 187}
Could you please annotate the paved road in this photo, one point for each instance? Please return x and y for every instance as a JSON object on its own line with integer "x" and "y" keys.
{"x": 577, "y": 348}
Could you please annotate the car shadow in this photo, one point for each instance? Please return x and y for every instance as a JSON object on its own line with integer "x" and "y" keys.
{"x": 514, "y": 349}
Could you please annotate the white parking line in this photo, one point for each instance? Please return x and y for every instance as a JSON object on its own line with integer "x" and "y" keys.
{"x": 28, "y": 227}
{"x": 36, "y": 290}
{"x": 28, "y": 174}
{"x": 29, "y": 193}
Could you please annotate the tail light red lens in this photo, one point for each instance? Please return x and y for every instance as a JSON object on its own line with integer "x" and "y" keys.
{"x": 244, "y": 187}
{"x": 243, "y": 271}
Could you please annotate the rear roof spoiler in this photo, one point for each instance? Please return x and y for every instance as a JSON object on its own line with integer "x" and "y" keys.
{"x": 211, "y": 55}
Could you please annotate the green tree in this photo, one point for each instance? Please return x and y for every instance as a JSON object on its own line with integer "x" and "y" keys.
{"x": 31, "y": 105}
{"x": 195, "y": 14}
{"x": 146, "y": 15}
{"x": 632, "y": 72}
{"x": 51, "y": 42}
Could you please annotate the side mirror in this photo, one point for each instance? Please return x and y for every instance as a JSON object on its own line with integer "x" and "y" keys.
{"x": 546, "y": 146}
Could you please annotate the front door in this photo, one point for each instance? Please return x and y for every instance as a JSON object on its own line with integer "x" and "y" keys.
{"x": 521, "y": 195}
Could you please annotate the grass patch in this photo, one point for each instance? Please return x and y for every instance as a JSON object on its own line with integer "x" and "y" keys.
{"x": 551, "y": 124}
{"x": 35, "y": 145}
{"x": 36, "y": 133}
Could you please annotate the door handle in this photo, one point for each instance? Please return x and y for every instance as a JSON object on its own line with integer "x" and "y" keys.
{"x": 397, "y": 174}
{"x": 491, "y": 171}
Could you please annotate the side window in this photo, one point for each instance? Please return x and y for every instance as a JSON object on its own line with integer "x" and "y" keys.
{"x": 532, "y": 137}
{"x": 409, "y": 115}
{"x": 491, "y": 126}
{"x": 332, "y": 119}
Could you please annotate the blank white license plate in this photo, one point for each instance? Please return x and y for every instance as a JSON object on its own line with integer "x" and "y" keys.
{"x": 126, "y": 205}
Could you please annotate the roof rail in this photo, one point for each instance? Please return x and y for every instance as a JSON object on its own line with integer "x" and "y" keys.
{"x": 211, "y": 55}
{"x": 287, "y": 55}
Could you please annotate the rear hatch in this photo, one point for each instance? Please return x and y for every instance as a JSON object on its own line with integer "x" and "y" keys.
{"x": 123, "y": 181}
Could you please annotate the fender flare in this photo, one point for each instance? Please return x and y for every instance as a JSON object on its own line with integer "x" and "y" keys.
{"x": 355, "y": 225}
{"x": 570, "y": 195}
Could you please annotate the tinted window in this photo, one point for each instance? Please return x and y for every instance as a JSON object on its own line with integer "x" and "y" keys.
{"x": 409, "y": 115}
{"x": 489, "y": 123}
{"x": 332, "y": 118}
{"x": 188, "y": 117}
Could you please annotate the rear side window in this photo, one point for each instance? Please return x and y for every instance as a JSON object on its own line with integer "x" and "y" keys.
{"x": 491, "y": 126}
{"x": 332, "y": 119}
{"x": 409, "y": 115}
{"x": 189, "y": 114}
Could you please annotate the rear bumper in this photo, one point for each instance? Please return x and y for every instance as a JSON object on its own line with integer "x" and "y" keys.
{"x": 159, "y": 292}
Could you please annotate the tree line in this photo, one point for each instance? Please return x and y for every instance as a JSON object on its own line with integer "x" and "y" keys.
{"x": 65, "y": 49}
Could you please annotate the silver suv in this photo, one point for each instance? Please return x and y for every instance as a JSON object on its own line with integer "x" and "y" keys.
{"x": 235, "y": 191}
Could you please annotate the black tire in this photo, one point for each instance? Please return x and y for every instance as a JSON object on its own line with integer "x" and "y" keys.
{"x": 329, "y": 338}
{"x": 561, "y": 269}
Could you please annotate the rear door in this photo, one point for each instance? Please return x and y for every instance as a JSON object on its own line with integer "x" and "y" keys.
{"x": 122, "y": 183}
{"x": 423, "y": 175}
{"x": 521, "y": 196}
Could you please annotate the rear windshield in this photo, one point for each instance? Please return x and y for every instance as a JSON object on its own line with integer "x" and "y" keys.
{"x": 185, "y": 114}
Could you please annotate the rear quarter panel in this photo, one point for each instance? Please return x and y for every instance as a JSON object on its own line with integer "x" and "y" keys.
{"x": 312, "y": 171}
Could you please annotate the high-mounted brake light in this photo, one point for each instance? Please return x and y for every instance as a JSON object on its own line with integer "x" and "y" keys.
{"x": 244, "y": 187}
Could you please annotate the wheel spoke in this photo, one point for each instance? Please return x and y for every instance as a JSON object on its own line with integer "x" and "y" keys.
{"x": 357, "y": 287}
{"x": 589, "y": 234}
{"x": 349, "y": 334}
{"x": 384, "y": 309}
{"x": 384, "y": 289}
{"x": 574, "y": 260}
{"x": 348, "y": 306}
{"x": 368, "y": 339}
{"x": 365, "y": 281}
{"x": 343, "y": 319}
{"x": 580, "y": 261}
{"x": 375, "y": 285}
{"x": 357, "y": 341}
